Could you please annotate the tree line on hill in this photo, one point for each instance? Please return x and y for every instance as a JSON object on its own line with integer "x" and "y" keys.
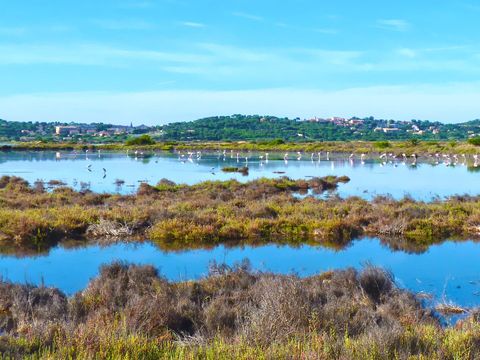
{"x": 267, "y": 128}
{"x": 255, "y": 127}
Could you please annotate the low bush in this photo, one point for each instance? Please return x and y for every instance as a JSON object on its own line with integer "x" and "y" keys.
{"x": 140, "y": 140}
{"x": 474, "y": 141}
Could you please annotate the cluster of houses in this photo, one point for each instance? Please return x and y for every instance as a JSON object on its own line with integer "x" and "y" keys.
{"x": 385, "y": 127}
{"x": 339, "y": 121}
{"x": 408, "y": 127}
{"x": 92, "y": 130}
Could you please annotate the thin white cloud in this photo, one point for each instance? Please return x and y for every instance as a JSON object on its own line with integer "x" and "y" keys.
{"x": 237, "y": 65}
{"x": 192, "y": 24}
{"x": 446, "y": 102}
{"x": 409, "y": 53}
{"x": 394, "y": 24}
{"x": 248, "y": 16}
{"x": 334, "y": 57}
{"x": 234, "y": 53}
{"x": 89, "y": 55}
{"x": 115, "y": 24}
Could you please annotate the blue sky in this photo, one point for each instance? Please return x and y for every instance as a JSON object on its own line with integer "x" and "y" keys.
{"x": 156, "y": 61}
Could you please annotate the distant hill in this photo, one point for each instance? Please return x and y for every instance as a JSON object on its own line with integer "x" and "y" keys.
{"x": 256, "y": 127}
{"x": 248, "y": 127}
{"x": 473, "y": 123}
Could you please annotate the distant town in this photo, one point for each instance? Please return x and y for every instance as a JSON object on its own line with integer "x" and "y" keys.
{"x": 386, "y": 127}
{"x": 242, "y": 127}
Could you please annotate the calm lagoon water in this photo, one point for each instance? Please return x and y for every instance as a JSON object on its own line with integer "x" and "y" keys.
{"x": 421, "y": 181}
{"x": 449, "y": 269}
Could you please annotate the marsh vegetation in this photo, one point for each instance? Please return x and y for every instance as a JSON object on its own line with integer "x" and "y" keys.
{"x": 177, "y": 216}
{"x": 130, "y": 311}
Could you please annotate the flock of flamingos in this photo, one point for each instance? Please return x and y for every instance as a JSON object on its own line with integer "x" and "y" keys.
{"x": 446, "y": 159}
{"x": 263, "y": 158}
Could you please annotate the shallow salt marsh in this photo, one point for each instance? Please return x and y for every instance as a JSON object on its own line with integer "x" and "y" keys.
{"x": 99, "y": 172}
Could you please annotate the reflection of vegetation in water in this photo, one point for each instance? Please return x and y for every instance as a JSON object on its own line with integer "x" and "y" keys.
{"x": 130, "y": 312}
{"x": 25, "y": 250}
{"x": 473, "y": 169}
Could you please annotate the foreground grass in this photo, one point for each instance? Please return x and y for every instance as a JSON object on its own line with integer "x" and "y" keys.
{"x": 178, "y": 216}
{"x": 129, "y": 312}
{"x": 421, "y": 148}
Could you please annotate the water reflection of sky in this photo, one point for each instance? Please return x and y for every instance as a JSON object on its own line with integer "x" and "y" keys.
{"x": 450, "y": 268}
{"x": 423, "y": 181}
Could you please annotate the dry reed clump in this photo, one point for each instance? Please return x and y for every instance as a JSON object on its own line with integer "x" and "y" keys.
{"x": 376, "y": 283}
{"x": 109, "y": 229}
{"x": 347, "y": 314}
{"x": 14, "y": 183}
{"x": 22, "y": 306}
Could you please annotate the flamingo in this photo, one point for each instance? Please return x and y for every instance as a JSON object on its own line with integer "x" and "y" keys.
{"x": 414, "y": 156}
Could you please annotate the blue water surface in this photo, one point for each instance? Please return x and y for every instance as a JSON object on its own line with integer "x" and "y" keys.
{"x": 449, "y": 270}
{"x": 423, "y": 180}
